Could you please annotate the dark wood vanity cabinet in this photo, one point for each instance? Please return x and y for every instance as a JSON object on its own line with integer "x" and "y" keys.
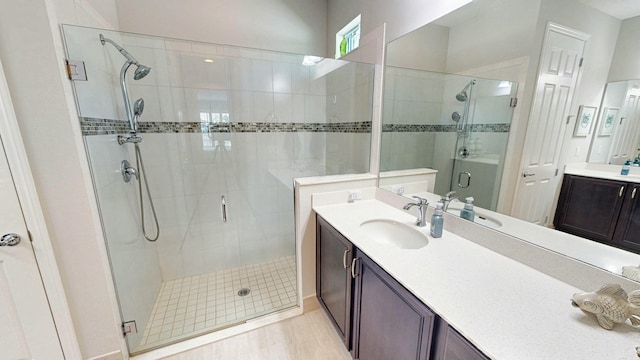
{"x": 627, "y": 233}
{"x": 603, "y": 210}
{"x": 589, "y": 207}
{"x": 382, "y": 320}
{"x": 449, "y": 345}
{"x": 334, "y": 254}
{"x": 389, "y": 322}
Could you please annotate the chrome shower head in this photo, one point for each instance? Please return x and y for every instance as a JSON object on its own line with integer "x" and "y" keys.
{"x": 141, "y": 71}
{"x": 462, "y": 95}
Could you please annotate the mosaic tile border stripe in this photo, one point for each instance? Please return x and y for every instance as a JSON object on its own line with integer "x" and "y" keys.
{"x": 94, "y": 126}
{"x": 494, "y": 128}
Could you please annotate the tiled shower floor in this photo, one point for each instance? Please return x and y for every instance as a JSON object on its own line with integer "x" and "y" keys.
{"x": 193, "y": 305}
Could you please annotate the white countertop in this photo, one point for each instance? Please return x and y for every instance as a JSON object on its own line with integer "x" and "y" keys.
{"x": 603, "y": 171}
{"x": 508, "y": 310}
{"x": 591, "y": 252}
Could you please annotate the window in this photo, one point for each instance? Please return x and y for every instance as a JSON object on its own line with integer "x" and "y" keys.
{"x": 207, "y": 119}
{"x": 348, "y": 38}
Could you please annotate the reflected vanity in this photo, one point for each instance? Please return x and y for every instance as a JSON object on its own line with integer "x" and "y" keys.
{"x": 443, "y": 132}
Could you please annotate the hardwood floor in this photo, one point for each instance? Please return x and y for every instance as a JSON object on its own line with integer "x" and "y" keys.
{"x": 308, "y": 336}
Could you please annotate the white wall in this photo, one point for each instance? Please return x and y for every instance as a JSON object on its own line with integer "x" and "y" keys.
{"x": 624, "y": 65}
{"x": 430, "y": 55}
{"x": 31, "y": 53}
{"x": 401, "y": 17}
{"x": 503, "y": 32}
{"x": 297, "y": 26}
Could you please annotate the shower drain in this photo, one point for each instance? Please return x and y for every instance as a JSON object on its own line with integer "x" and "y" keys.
{"x": 243, "y": 292}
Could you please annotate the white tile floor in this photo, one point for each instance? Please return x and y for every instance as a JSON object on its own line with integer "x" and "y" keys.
{"x": 198, "y": 304}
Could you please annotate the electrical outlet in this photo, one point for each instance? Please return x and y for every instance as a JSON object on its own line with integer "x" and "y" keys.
{"x": 354, "y": 195}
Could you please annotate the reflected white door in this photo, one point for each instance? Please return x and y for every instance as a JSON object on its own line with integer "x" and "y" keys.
{"x": 27, "y": 329}
{"x": 557, "y": 78}
{"x": 625, "y": 133}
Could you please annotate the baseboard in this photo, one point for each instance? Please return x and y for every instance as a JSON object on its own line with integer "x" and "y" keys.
{"x": 116, "y": 355}
{"x": 310, "y": 303}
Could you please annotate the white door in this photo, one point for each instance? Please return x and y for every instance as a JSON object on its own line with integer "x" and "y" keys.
{"x": 557, "y": 78}
{"x": 27, "y": 329}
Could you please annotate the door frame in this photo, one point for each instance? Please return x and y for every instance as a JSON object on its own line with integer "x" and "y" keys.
{"x": 35, "y": 221}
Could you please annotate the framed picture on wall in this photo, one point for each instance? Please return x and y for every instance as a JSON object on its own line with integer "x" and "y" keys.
{"x": 609, "y": 117}
{"x": 584, "y": 122}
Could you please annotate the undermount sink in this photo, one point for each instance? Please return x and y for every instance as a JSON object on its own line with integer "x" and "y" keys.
{"x": 390, "y": 232}
{"x": 480, "y": 218}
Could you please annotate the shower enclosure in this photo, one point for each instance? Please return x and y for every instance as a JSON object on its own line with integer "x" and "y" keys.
{"x": 458, "y": 125}
{"x": 224, "y": 132}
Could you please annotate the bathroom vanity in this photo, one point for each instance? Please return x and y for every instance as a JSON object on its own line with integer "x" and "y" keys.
{"x": 448, "y": 298}
{"x": 382, "y": 320}
{"x": 601, "y": 205}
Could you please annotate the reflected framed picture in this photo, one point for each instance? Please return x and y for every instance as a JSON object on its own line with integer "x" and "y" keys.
{"x": 584, "y": 122}
{"x": 608, "y": 121}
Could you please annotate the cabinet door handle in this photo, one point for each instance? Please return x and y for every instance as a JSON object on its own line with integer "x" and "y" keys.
{"x": 621, "y": 191}
{"x": 344, "y": 259}
{"x": 353, "y": 268}
{"x": 633, "y": 193}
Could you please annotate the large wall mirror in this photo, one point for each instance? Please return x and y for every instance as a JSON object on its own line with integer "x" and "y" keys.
{"x": 458, "y": 94}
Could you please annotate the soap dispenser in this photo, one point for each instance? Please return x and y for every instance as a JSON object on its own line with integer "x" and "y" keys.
{"x": 625, "y": 168}
{"x": 437, "y": 221}
{"x": 468, "y": 213}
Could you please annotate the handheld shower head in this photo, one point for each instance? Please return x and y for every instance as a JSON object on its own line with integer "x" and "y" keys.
{"x": 138, "y": 107}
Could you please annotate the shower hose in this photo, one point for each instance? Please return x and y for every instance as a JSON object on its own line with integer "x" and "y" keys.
{"x": 140, "y": 165}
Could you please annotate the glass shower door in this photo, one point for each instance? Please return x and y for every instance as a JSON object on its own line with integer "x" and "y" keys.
{"x": 223, "y": 133}
{"x": 479, "y": 152}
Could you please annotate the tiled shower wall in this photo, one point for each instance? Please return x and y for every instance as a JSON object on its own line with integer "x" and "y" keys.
{"x": 242, "y": 127}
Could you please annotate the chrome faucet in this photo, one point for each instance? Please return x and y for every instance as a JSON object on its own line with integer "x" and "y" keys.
{"x": 422, "y": 210}
{"x": 447, "y": 199}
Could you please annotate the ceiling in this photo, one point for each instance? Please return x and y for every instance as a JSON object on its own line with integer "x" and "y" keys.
{"x": 621, "y": 9}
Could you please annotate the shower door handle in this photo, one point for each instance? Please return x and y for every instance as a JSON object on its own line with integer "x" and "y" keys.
{"x": 468, "y": 174}
{"x": 223, "y": 204}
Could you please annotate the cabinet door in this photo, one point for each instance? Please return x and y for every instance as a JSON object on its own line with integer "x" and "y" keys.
{"x": 389, "y": 322}
{"x": 628, "y": 230}
{"x": 452, "y": 346}
{"x": 589, "y": 207}
{"x": 333, "y": 276}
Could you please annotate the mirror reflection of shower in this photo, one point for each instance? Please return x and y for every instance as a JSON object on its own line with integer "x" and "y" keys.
{"x": 462, "y": 127}
{"x": 133, "y": 117}
{"x": 463, "y": 130}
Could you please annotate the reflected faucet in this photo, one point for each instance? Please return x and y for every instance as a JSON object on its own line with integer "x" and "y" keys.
{"x": 422, "y": 210}
{"x": 447, "y": 199}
